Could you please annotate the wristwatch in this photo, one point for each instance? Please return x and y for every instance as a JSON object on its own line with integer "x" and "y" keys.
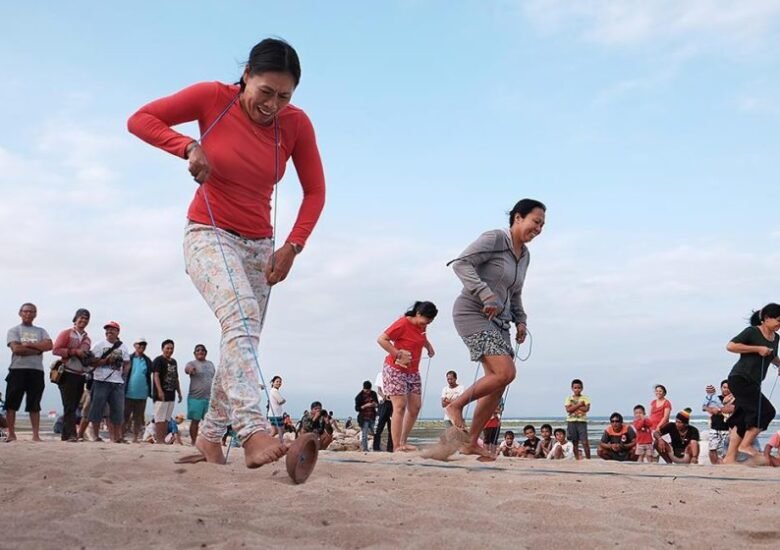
{"x": 296, "y": 248}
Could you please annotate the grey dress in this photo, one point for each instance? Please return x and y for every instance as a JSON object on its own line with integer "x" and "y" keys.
{"x": 488, "y": 267}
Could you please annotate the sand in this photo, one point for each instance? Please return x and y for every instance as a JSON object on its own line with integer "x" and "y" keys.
{"x": 103, "y": 495}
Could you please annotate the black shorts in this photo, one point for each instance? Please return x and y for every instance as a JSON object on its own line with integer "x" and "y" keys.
{"x": 21, "y": 382}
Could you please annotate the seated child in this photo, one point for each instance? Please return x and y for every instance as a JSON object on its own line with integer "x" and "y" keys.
{"x": 173, "y": 430}
{"x": 509, "y": 446}
{"x": 532, "y": 445}
{"x": 546, "y": 441}
{"x": 561, "y": 449}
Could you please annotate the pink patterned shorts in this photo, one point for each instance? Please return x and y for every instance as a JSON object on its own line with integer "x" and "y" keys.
{"x": 399, "y": 382}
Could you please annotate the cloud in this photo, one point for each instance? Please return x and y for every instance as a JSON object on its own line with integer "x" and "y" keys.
{"x": 693, "y": 26}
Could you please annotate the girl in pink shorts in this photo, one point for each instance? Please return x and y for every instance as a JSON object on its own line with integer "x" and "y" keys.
{"x": 404, "y": 341}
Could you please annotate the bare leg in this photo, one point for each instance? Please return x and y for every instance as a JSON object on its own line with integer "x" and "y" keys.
{"x": 83, "y": 426}
{"x": 96, "y": 430}
{"x": 733, "y": 449}
{"x": 499, "y": 373}
{"x": 663, "y": 450}
{"x": 714, "y": 458}
{"x": 35, "y": 420}
{"x": 260, "y": 448}
{"x": 586, "y": 448}
{"x": 482, "y": 413}
{"x": 413, "y": 403}
{"x": 11, "y": 416}
{"x": 194, "y": 430}
{"x": 160, "y": 429}
{"x": 746, "y": 445}
{"x": 693, "y": 452}
{"x": 399, "y": 411}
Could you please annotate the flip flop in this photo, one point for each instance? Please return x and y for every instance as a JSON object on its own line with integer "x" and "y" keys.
{"x": 302, "y": 457}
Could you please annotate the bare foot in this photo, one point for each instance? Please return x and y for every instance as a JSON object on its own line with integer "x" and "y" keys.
{"x": 212, "y": 452}
{"x": 37, "y": 439}
{"x": 406, "y": 448}
{"x": 488, "y": 458}
{"x": 747, "y": 450}
{"x": 471, "y": 449}
{"x": 10, "y": 439}
{"x": 455, "y": 415}
{"x": 260, "y": 448}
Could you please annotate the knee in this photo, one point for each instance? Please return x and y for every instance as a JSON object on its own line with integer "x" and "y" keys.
{"x": 233, "y": 321}
{"x": 507, "y": 376}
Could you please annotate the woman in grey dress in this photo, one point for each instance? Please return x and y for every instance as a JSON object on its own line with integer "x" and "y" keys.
{"x": 492, "y": 270}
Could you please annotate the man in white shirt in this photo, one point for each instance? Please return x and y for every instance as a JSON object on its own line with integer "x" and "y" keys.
{"x": 384, "y": 414}
{"x": 450, "y": 393}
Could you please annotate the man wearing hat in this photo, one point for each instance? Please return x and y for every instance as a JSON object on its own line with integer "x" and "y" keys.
{"x": 683, "y": 446}
{"x": 112, "y": 361}
{"x": 138, "y": 389}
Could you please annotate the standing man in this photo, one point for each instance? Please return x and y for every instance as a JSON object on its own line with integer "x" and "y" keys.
{"x": 366, "y": 403}
{"x": 112, "y": 361}
{"x": 137, "y": 390}
{"x": 201, "y": 374}
{"x": 450, "y": 393}
{"x": 166, "y": 386}
{"x": 384, "y": 416}
{"x": 25, "y": 373}
{"x": 719, "y": 407}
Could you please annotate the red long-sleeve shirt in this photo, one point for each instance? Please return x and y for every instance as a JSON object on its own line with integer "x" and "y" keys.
{"x": 241, "y": 155}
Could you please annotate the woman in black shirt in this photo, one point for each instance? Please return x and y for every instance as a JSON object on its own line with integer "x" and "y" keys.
{"x": 757, "y": 348}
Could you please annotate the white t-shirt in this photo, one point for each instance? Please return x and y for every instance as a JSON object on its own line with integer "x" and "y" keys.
{"x": 568, "y": 450}
{"x": 106, "y": 373}
{"x": 504, "y": 446}
{"x": 451, "y": 394}
{"x": 276, "y": 403}
{"x": 378, "y": 383}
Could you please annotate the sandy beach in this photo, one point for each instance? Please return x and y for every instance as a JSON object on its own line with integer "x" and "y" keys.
{"x": 101, "y": 495}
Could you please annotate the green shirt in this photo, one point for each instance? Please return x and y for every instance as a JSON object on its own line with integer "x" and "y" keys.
{"x": 580, "y": 415}
{"x": 751, "y": 365}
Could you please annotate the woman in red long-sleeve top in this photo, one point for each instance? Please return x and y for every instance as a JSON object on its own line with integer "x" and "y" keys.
{"x": 249, "y": 131}
{"x": 72, "y": 346}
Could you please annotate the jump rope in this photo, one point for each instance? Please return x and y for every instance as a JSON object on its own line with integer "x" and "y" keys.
{"x": 217, "y": 232}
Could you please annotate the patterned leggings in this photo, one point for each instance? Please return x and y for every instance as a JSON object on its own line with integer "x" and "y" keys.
{"x": 235, "y": 391}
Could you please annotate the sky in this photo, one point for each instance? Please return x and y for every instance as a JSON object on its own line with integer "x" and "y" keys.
{"x": 648, "y": 128}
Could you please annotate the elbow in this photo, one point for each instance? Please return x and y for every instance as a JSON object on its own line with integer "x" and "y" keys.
{"x": 730, "y": 347}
